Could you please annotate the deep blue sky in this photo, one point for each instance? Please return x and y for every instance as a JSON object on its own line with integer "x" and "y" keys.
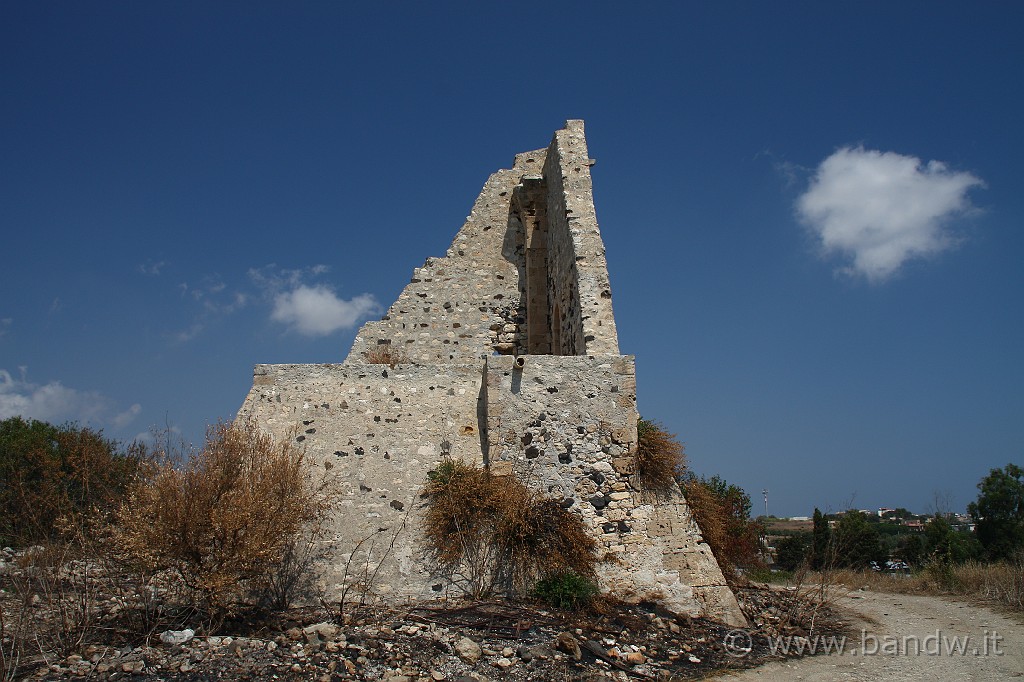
{"x": 171, "y": 174}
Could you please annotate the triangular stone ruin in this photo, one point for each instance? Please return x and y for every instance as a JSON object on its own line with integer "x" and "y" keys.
{"x": 503, "y": 353}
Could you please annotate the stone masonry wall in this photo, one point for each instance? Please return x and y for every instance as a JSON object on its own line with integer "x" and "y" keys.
{"x": 567, "y": 425}
{"x": 377, "y": 431}
{"x": 579, "y": 269}
{"x": 505, "y": 354}
{"x": 465, "y": 305}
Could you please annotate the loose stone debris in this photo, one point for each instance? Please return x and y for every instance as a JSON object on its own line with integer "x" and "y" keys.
{"x": 478, "y": 642}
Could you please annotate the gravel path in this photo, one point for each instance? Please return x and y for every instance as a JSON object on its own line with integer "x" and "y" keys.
{"x": 890, "y": 630}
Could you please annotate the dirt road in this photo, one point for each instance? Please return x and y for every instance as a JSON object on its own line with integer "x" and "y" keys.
{"x": 899, "y": 638}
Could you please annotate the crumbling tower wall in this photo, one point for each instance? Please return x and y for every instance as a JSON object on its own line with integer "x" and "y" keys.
{"x": 509, "y": 359}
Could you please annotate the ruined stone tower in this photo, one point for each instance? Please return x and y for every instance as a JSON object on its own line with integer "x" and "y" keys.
{"x": 509, "y": 358}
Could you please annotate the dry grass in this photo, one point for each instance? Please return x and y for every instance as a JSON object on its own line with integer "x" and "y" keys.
{"x": 1001, "y": 582}
{"x": 228, "y": 520}
{"x": 659, "y": 459}
{"x": 495, "y": 535}
{"x": 386, "y": 354}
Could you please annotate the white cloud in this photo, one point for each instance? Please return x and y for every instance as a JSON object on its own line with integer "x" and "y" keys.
{"x": 56, "y": 403}
{"x": 125, "y": 418}
{"x": 295, "y": 298}
{"x": 272, "y": 278}
{"x": 152, "y": 269}
{"x": 881, "y": 209}
{"x": 317, "y": 311}
{"x": 186, "y": 335}
{"x": 5, "y": 326}
{"x": 215, "y": 299}
{"x": 165, "y": 436}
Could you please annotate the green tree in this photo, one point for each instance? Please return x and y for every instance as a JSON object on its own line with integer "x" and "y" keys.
{"x": 856, "y": 541}
{"x": 999, "y": 512}
{"x": 948, "y": 545}
{"x": 821, "y": 542}
{"x": 792, "y": 550}
{"x": 911, "y": 548}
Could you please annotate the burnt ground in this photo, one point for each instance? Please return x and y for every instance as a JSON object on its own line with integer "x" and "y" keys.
{"x": 471, "y": 641}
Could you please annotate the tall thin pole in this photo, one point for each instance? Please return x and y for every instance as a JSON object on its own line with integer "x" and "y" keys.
{"x": 765, "y": 493}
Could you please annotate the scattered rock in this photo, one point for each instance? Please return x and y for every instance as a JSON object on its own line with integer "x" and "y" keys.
{"x": 172, "y": 637}
{"x": 325, "y": 631}
{"x": 468, "y": 650}
{"x": 567, "y": 643}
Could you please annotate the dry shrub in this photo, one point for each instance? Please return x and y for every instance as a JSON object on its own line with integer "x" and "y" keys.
{"x": 659, "y": 459}
{"x": 722, "y": 511}
{"x": 711, "y": 517}
{"x": 58, "y": 600}
{"x": 227, "y": 519}
{"x": 497, "y": 535}
{"x": 386, "y": 354}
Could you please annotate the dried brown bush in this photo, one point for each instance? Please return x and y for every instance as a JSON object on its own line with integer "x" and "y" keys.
{"x": 497, "y": 535}
{"x": 711, "y": 518}
{"x": 225, "y": 520}
{"x": 722, "y": 511}
{"x": 659, "y": 459}
{"x": 386, "y": 354}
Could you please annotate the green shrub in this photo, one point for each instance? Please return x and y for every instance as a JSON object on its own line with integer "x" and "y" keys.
{"x": 567, "y": 591}
{"x": 56, "y": 478}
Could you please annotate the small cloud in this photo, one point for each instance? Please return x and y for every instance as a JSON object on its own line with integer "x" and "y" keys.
{"x": 790, "y": 172}
{"x": 186, "y": 335}
{"x": 295, "y": 299}
{"x": 881, "y": 209}
{"x": 5, "y": 326}
{"x": 165, "y": 435}
{"x": 56, "y": 306}
{"x": 317, "y": 311}
{"x": 215, "y": 299}
{"x": 56, "y": 403}
{"x": 272, "y": 278}
{"x": 152, "y": 269}
{"x": 127, "y": 417}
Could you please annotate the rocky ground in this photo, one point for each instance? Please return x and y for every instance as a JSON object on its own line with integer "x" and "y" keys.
{"x": 107, "y": 628}
{"x": 478, "y": 641}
